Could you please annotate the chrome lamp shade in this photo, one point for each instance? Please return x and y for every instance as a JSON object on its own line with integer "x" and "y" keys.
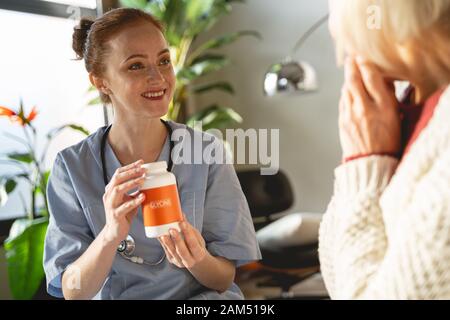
{"x": 290, "y": 76}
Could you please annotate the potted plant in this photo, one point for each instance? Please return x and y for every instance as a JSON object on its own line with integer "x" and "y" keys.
{"x": 25, "y": 244}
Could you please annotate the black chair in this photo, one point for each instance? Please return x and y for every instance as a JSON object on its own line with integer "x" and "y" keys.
{"x": 268, "y": 197}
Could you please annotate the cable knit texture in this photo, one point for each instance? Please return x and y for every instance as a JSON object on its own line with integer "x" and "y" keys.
{"x": 386, "y": 232}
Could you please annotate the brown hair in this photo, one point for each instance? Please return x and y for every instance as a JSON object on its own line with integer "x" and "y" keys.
{"x": 90, "y": 37}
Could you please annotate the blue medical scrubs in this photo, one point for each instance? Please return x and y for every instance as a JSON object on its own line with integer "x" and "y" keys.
{"x": 211, "y": 198}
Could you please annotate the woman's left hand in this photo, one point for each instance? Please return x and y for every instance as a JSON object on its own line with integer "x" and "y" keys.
{"x": 369, "y": 119}
{"x": 185, "y": 249}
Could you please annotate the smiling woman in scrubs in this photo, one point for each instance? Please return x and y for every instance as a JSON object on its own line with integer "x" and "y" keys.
{"x": 128, "y": 60}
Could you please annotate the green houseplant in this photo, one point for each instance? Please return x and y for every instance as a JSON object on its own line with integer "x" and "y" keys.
{"x": 25, "y": 244}
{"x": 184, "y": 20}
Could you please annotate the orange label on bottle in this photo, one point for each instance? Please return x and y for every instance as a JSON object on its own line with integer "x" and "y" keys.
{"x": 161, "y": 206}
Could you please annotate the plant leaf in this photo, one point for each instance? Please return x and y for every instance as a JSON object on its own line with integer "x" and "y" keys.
{"x": 138, "y": 4}
{"x": 24, "y": 254}
{"x": 226, "y": 39}
{"x": 156, "y": 8}
{"x": 223, "y": 86}
{"x": 42, "y": 212}
{"x": 201, "y": 66}
{"x": 174, "y": 21}
{"x": 10, "y": 185}
{"x": 220, "y": 8}
{"x": 79, "y": 128}
{"x": 46, "y": 175}
{"x": 215, "y": 117}
{"x": 25, "y": 157}
{"x": 196, "y": 9}
{"x": 75, "y": 127}
{"x": 95, "y": 101}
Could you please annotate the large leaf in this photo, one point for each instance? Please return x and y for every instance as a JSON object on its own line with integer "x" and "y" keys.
{"x": 201, "y": 66}
{"x": 24, "y": 254}
{"x": 224, "y": 40}
{"x": 25, "y": 157}
{"x": 222, "y": 86}
{"x": 215, "y": 117}
{"x": 196, "y": 9}
{"x": 218, "y": 10}
{"x": 174, "y": 21}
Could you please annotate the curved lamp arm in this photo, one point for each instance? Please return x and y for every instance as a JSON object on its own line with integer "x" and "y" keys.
{"x": 308, "y": 33}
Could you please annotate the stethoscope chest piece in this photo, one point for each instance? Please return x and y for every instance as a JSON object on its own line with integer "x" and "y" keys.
{"x": 127, "y": 246}
{"x": 126, "y": 250}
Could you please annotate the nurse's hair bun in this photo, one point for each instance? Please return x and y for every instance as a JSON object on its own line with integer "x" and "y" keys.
{"x": 80, "y": 37}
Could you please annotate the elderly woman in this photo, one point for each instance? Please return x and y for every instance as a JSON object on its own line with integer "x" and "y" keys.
{"x": 386, "y": 233}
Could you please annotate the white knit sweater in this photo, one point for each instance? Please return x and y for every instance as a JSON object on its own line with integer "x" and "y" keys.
{"x": 386, "y": 232}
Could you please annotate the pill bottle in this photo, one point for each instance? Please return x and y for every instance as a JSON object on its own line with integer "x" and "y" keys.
{"x": 161, "y": 208}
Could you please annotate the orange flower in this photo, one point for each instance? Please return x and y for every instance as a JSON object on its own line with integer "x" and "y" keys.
{"x": 32, "y": 114}
{"x": 6, "y": 112}
{"x": 18, "y": 117}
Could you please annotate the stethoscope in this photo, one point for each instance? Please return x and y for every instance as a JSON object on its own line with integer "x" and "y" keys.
{"x": 126, "y": 247}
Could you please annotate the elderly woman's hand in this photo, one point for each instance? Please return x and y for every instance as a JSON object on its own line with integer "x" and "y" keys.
{"x": 369, "y": 119}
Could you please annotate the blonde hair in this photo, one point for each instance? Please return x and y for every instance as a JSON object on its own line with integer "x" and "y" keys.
{"x": 373, "y": 27}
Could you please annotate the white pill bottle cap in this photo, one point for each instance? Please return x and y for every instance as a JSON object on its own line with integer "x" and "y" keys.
{"x": 157, "y": 175}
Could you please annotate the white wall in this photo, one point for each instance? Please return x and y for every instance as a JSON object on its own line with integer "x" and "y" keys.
{"x": 309, "y": 144}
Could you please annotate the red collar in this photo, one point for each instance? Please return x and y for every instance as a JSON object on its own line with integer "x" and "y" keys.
{"x": 416, "y": 117}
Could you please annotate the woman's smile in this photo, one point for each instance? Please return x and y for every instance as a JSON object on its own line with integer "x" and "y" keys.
{"x": 154, "y": 94}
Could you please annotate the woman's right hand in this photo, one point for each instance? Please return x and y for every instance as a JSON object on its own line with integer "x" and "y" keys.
{"x": 369, "y": 118}
{"x": 121, "y": 208}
